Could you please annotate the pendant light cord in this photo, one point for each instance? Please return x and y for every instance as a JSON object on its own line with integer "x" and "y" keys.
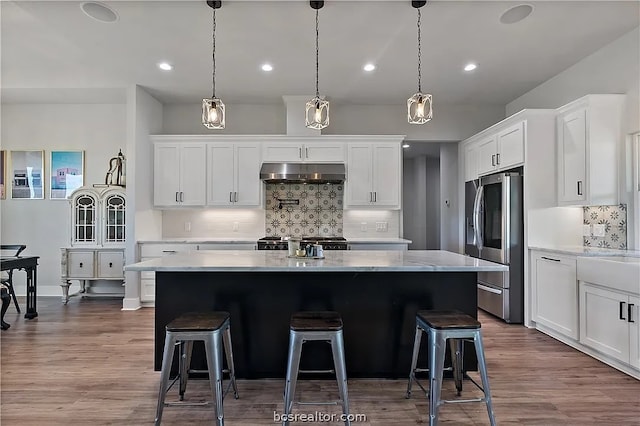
{"x": 317, "y": 54}
{"x": 419, "y": 57}
{"x": 213, "y": 55}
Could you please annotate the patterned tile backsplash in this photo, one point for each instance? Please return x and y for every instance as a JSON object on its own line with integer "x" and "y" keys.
{"x": 296, "y": 210}
{"x": 614, "y": 219}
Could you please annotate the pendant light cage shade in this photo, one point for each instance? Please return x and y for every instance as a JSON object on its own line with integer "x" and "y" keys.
{"x": 317, "y": 113}
{"x": 419, "y": 108}
{"x": 213, "y": 113}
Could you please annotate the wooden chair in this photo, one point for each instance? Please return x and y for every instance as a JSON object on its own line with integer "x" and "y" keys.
{"x": 7, "y": 276}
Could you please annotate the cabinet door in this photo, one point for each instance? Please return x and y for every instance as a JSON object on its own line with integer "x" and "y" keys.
{"x": 148, "y": 290}
{"x": 572, "y": 134}
{"x": 110, "y": 264}
{"x": 387, "y": 177}
{"x": 556, "y": 293}
{"x": 359, "y": 175}
{"x": 277, "y": 152}
{"x": 80, "y": 264}
{"x": 324, "y": 153}
{"x": 634, "y": 331}
{"x": 247, "y": 175}
{"x": 221, "y": 174}
{"x": 511, "y": 146}
{"x": 193, "y": 175}
{"x": 601, "y": 326}
{"x": 487, "y": 150}
{"x": 470, "y": 162}
{"x": 166, "y": 175}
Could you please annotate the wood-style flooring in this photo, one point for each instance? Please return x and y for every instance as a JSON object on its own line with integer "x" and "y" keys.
{"x": 89, "y": 363}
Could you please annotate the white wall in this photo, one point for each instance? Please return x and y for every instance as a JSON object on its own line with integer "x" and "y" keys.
{"x": 180, "y": 119}
{"x": 44, "y": 225}
{"x": 414, "y": 201}
{"x": 448, "y": 207}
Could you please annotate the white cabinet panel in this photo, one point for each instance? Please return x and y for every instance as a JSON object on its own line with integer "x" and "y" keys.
{"x": 511, "y": 146}
{"x": 572, "y": 145}
{"x": 374, "y": 175}
{"x": 221, "y": 174}
{"x": 248, "y": 186}
{"x": 110, "y": 264}
{"x": 166, "y": 175}
{"x": 386, "y": 175}
{"x": 324, "y": 153}
{"x": 633, "y": 319}
{"x": 359, "y": 175}
{"x": 487, "y": 149}
{"x": 179, "y": 175}
{"x": 282, "y": 152}
{"x": 233, "y": 171}
{"x": 81, "y": 264}
{"x": 193, "y": 175}
{"x": 471, "y": 162}
{"x": 296, "y": 152}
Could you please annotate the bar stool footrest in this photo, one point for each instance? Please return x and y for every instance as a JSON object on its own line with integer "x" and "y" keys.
{"x": 318, "y": 403}
{"x": 317, "y": 371}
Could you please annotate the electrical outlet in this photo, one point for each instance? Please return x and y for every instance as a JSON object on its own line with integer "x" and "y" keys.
{"x": 363, "y": 226}
{"x": 236, "y": 226}
{"x": 586, "y": 230}
{"x": 381, "y": 226}
{"x": 187, "y": 226}
{"x": 598, "y": 230}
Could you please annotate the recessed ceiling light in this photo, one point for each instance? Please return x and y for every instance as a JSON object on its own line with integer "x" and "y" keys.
{"x": 165, "y": 66}
{"x": 267, "y": 67}
{"x": 470, "y": 66}
{"x": 99, "y": 11}
{"x": 516, "y": 14}
{"x": 406, "y": 145}
{"x": 369, "y": 67}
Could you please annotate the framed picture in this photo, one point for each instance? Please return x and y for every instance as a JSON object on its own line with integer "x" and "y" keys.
{"x": 3, "y": 176}
{"x": 66, "y": 173}
{"x": 27, "y": 174}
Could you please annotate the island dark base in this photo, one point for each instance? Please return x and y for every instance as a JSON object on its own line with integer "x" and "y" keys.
{"x": 378, "y": 310}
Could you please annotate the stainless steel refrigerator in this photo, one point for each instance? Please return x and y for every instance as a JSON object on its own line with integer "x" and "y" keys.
{"x": 494, "y": 226}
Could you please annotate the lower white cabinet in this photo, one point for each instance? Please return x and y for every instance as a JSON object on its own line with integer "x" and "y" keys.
{"x": 555, "y": 292}
{"x": 609, "y": 323}
{"x": 90, "y": 265}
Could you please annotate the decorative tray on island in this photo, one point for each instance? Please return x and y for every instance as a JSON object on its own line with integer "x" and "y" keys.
{"x": 305, "y": 257}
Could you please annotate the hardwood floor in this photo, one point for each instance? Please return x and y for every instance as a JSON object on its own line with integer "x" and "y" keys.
{"x": 89, "y": 363}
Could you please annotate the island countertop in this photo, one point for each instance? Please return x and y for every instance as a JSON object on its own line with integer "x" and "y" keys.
{"x": 334, "y": 261}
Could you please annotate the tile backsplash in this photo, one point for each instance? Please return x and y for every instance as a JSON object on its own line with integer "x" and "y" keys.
{"x": 298, "y": 210}
{"x": 614, "y": 219}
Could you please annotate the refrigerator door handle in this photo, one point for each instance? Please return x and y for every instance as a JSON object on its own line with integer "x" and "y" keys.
{"x": 489, "y": 289}
{"x": 476, "y": 217}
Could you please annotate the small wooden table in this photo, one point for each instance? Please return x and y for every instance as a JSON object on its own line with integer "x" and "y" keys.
{"x": 30, "y": 265}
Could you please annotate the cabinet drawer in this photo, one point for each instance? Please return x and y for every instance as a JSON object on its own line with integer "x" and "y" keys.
{"x": 158, "y": 250}
{"x": 147, "y": 290}
{"x": 110, "y": 264}
{"x": 80, "y": 264}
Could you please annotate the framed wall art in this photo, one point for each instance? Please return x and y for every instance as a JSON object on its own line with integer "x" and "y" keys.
{"x": 3, "y": 176}
{"x": 66, "y": 173}
{"x": 27, "y": 177}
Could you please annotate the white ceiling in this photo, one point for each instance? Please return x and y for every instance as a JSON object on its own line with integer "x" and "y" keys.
{"x": 51, "y": 46}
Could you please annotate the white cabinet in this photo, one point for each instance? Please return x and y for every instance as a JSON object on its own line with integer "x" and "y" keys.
{"x": 588, "y": 133}
{"x": 233, "y": 174}
{"x": 471, "y": 162}
{"x": 311, "y": 151}
{"x": 99, "y": 271}
{"x": 634, "y": 331}
{"x": 179, "y": 174}
{"x": 501, "y": 150}
{"x": 554, "y": 290}
{"x": 605, "y": 322}
{"x": 374, "y": 175}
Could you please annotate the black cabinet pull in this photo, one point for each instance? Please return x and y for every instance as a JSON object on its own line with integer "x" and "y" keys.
{"x": 548, "y": 258}
{"x": 493, "y": 160}
{"x": 579, "y": 187}
{"x": 498, "y": 159}
{"x": 621, "y": 311}
{"x": 629, "y": 308}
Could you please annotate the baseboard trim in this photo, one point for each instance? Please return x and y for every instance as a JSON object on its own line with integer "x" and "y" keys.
{"x": 131, "y": 304}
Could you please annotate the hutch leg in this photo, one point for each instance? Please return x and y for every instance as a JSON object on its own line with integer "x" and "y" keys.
{"x": 65, "y": 290}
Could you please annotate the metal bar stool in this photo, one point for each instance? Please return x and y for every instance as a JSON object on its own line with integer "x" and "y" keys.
{"x": 308, "y": 326}
{"x": 214, "y": 329}
{"x": 456, "y": 327}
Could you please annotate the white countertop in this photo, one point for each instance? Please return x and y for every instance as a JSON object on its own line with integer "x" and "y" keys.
{"x": 204, "y": 240}
{"x": 378, "y": 240}
{"x": 335, "y": 261}
{"x": 587, "y": 251}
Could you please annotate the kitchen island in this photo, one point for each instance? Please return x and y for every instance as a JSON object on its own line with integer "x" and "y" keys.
{"x": 377, "y": 293}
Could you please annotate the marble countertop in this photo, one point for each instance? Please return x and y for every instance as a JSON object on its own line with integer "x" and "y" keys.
{"x": 335, "y": 261}
{"x": 361, "y": 240}
{"x": 587, "y": 251}
{"x": 205, "y": 240}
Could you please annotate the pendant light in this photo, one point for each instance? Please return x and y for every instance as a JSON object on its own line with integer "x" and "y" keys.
{"x": 213, "y": 114}
{"x": 317, "y": 109}
{"x": 420, "y": 105}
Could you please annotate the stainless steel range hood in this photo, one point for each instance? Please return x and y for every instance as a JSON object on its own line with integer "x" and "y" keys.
{"x": 302, "y": 173}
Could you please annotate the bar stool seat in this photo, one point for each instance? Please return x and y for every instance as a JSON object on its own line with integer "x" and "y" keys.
{"x": 214, "y": 329}
{"x": 455, "y": 327}
{"x": 310, "y": 326}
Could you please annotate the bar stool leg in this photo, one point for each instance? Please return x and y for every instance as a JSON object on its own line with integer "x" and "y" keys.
{"x": 167, "y": 359}
{"x": 437, "y": 350}
{"x": 456, "y": 348}
{"x": 295, "y": 349}
{"x": 186, "y": 348}
{"x": 213, "y": 346}
{"x": 337, "y": 347}
{"x": 228, "y": 350}
{"x": 414, "y": 359}
{"x": 482, "y": 365}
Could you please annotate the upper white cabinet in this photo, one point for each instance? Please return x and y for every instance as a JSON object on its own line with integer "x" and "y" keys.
{"x": 470, "y": 162}
{"x": 501, "y": 150}
{"x": 309, "y": 151}
{"x": 179, "y": 174}
{"x": 233, "y": 174}
{"x": 374, "y": 175}
{"x": 588, "y": 140}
